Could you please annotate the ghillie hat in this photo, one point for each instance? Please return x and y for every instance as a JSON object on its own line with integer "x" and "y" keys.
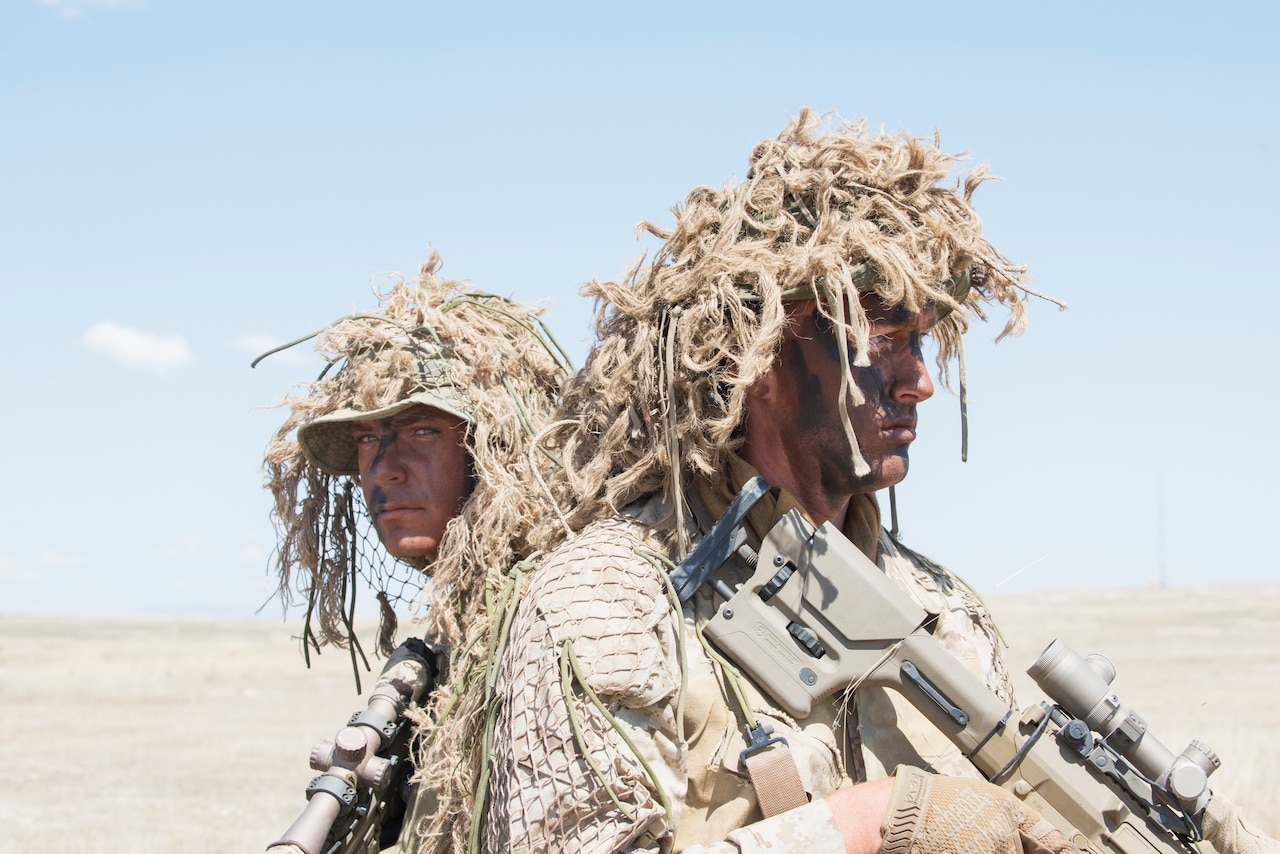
{"x": 825, "y": 213}
{"x": 327, "y": 441}
{"x": 484, "y": 358}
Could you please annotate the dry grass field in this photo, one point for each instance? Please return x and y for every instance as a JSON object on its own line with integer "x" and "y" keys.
{"x": 138, "y": 735}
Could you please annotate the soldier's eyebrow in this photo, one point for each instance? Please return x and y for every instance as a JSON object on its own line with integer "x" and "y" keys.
{"x": 357, "y": 427}
{"x": 897, "y": 315}
{"x": 394, "y": 422}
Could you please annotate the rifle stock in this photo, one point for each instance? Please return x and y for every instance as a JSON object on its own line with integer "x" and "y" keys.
{"x": 817, "y": 616}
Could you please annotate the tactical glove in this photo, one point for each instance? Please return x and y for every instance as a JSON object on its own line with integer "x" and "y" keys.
{"x": 932, "y": 814}
{"x": 1227, "y": 831}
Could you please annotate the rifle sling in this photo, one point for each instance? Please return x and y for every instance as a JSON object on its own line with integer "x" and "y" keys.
{"x": 773, "y": 773}
{"x": 719, "y": 543}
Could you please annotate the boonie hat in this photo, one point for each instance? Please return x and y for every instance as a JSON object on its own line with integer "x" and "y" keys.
{"x": 327, "y": 441}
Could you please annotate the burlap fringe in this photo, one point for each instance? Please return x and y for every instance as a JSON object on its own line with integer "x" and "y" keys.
{"x": 829, "y": 210}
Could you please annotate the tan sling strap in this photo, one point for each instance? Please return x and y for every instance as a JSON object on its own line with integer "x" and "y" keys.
{"x": 767, "y": 760}
{"x": 773, "y": 772}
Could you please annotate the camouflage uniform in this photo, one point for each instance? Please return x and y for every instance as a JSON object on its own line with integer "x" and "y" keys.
{"x": 601, "y": 595}
{"x": 617, "y": 729}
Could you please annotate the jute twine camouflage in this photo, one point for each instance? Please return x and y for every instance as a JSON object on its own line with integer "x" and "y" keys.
{"x": 828, "y": 211}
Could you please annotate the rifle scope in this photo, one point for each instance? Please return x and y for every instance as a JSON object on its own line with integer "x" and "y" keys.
{"x": 1082, "y": 688}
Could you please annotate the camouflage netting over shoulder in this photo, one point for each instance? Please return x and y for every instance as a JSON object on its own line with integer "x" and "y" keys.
{"x": 483, "y": 357}
{"x": 827, "y": 212}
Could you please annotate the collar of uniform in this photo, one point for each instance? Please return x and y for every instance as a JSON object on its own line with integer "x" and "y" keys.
{"x": 862, "y": 525}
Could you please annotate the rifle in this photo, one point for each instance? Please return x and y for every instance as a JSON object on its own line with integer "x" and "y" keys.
{"x": 817, "y": 617}
{"x": 353, "y": 805}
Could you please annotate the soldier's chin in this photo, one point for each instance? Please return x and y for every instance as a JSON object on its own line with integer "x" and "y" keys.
{"x": 893, "y": 470}
{"x": 415, "y": 551}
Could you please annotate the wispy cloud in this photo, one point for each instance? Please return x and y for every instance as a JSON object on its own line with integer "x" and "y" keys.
{"x": 156, "y": 353}
{"x": 77, "y": 8}
{"x": 255, "y": 344}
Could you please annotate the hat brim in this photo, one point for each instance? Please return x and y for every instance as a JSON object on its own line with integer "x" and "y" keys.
{"x": 327, "y": 442}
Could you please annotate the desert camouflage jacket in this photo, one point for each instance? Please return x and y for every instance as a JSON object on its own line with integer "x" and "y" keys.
{"x": 617, "y": 730}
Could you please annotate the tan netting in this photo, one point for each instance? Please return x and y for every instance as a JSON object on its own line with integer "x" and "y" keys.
{"x": 508, "y": 372}
{"x": 562, "y": 778}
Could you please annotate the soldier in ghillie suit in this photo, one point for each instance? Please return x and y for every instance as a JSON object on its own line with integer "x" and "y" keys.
{"x": 777, "y": 331}
{"x": 423, "y": 424}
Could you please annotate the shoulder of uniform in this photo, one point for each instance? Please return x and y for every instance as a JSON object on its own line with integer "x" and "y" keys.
{"x": 600, "y": 600}
{"x": 604, "y": 573}
{"x": 894, "y": 554}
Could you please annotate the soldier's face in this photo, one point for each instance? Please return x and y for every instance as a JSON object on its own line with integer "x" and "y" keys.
{"x": 415, "y": 473}
{"x": 897, "y": 379}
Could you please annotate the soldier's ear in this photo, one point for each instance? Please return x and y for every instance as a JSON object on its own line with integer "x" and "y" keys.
{"x": 765, "y": 386}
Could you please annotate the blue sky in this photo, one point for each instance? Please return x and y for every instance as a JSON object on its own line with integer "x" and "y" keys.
{"x": 183, "y": 184}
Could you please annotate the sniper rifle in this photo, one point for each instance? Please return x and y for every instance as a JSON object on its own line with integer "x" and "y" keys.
{"x": 353, "y": 805}
{"x": 817, "y": 617}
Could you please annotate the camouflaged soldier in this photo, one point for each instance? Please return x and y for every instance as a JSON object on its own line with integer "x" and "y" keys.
{"x": 423, "y": 424}
{"x": 779, "y": 330}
